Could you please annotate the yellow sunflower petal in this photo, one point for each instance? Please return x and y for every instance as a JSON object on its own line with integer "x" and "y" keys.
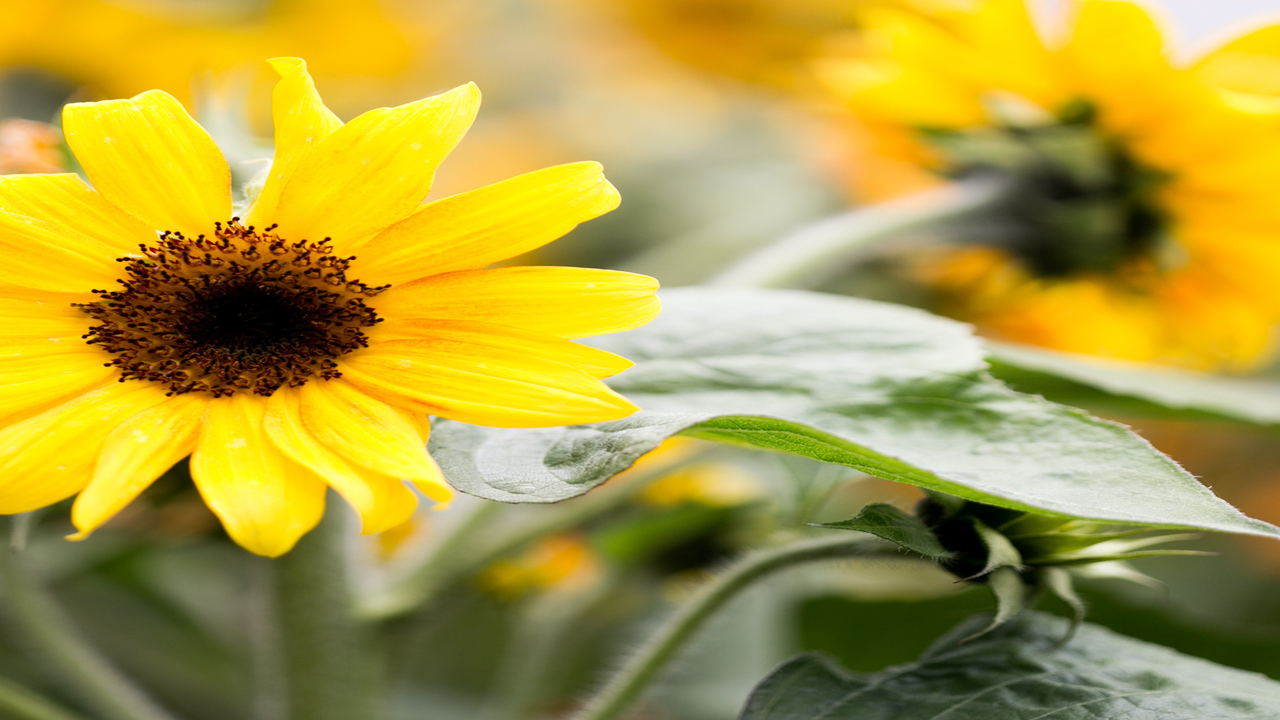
{"x": 47, "y": 355}
{"x": 65, "y": 201}
{"x": 911, "y": 74}
{"x": 478, "y": 228}
{"x": 301, "y": 122}
{"x": 44, "y": 257}
{"x": 51, "y": 456}
{"x": 561, "y": 301}
{"x": 264, "y": 500}
{"x": 50, "y": 384}
{"x": 34, "y": 319}
{"x": 492, "y": 381}
{"x": 382, "y": 501}
{"x": 369, "y": 432}
{"x": 420, "y": 420}
{"x": 137, "y": 451}
{"x": 374, "y": 170}
{"x": 1249, "y": 64}
{"x": 1116, "y": 53}
{"x": 598, "y": 363}
{"x": 148, "y": 157}
{"x": 1010, "y": 53}
{"x": 34, "y": 379}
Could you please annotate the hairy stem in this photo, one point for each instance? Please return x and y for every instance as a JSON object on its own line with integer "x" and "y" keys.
{"x": 824, "y": 249}
{"x": 19, "y": 703}
{"x": 331, "y": 668}
{"x": 56, "y": 643}
{"x": 649, "y": 660}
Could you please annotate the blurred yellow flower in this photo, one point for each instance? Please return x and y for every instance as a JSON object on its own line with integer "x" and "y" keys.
{"x": 763, "y": 41}
{"x": 261, "y": 348}
{"x": 560, "y": 561}
{"x": 1147, "y": 224}
{"x": 710, "y": 484}
{"x": 117, "y": 50}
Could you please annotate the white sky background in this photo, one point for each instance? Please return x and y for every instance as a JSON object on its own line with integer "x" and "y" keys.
{"x": 1200, "y": 24}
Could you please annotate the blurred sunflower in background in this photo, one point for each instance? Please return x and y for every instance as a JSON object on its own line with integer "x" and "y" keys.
{"x": 1141, "y": 222}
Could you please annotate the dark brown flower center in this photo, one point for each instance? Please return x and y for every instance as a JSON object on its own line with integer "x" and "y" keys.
{"x": 242, "y": 310}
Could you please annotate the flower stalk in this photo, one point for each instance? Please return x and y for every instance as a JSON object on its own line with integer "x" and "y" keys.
{"x": 645, "y": 665}
{"x": 332, "y": 671}
{"x": 822, "y": 250}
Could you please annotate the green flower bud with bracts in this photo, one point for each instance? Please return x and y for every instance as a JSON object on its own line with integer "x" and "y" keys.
{"x": 1018, "y": 555}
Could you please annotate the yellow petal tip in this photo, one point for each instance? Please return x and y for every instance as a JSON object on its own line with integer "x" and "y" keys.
{"x": 436, "y": 490}
{"x": 286, "y": 65}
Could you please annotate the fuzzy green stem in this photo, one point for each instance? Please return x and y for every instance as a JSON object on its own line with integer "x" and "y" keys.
{"x": 266, "y": 645}
{"x": 331, "y": 669}
{"x": 649, "y": 660}
{"x": 822, "y": 250}
{"x": 54, "y": 641}
{"x": 19, "y": 703}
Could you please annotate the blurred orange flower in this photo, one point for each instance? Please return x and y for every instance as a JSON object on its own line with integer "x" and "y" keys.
{"x": 560, "y": 561}
{"x": 30, "y": 147}
{"x": 116, "y": 50}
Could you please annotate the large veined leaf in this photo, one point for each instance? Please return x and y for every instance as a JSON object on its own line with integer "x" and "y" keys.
{"x": 1017, "y": 672}
{"x": 888, "y": 390}
{"x": 1189, "y": 393}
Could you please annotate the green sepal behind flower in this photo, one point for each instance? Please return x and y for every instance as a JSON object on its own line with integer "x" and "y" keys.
{"x": 1079, "y": 203}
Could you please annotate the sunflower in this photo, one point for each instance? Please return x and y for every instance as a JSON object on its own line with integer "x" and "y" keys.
{"x": 301, "y": 346}
{"x": 1142, "y": 224}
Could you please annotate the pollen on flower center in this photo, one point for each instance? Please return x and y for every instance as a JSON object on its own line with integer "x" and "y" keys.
{"x": 242, "y": 310}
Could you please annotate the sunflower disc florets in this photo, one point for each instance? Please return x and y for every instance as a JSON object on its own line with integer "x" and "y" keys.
{"x": 243, "y": 310}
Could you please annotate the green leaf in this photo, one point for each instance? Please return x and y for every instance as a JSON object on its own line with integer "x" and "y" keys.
{"x": 1016, "y": 673}
{"x": 1241, "y": 399}
{"x": 889, "y": 523}
{"x": 888, "y": 390}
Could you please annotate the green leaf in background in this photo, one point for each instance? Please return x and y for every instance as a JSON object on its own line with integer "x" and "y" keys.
{"x": 1198, "y": 394}
{"x": 1016, "y": 673}
{"x": 888, "y": 390}
{"x": 889, "y": 523}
